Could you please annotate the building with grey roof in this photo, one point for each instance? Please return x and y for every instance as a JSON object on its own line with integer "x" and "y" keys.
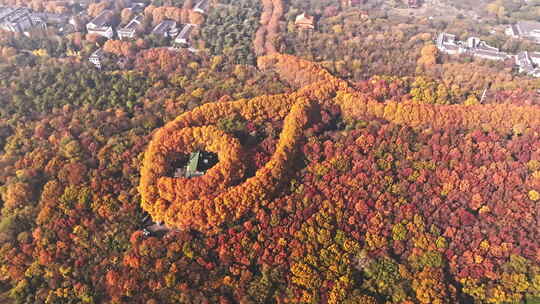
{"x": 183, "y": 37}
{"x": 489, "y": 54}
{"x": 101, "y": 25}
{"x": 528, "y": 63}
{"x": 137, "y": 7}
{"x": 202, "y": 6}
{"x": 524, "y": 63}
{"x": 130, "y": 30}
{"x": 167, "y": 28}
{"x": 535, "y": 57}
{"x": 101, "y": 20}
{"x": 96, "y": 57}
{"x": 52, "y": 17}
{"x": 19, "y": 20}
{"x": 525, "y": 29}
{"x": 447, "y": 43}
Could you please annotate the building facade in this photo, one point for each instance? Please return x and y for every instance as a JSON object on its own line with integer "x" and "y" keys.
{"x": 447, "y": 43}
{"x": 19, "y": 20}
{"x": 101, "y": 25}
{"x": 525, "y": 30}
{"x": 526, "y": 62}
{"x": 305, "y": 22}
{"x": 130, "y": 30}
{"x": 202, "y": 6}
{"x": 183, "y": 37}
{"x": 167, "y": 29}
{"x": 96, "y": 58}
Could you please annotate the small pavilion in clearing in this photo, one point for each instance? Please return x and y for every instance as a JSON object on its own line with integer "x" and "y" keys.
{"x": 197, "y": 164}
{"x": 305, "y": 22}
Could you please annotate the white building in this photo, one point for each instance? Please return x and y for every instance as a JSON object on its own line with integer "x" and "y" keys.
{"x": 490, "y": 55}
{"x": 19, "y": 20}
{"x": 183, "y": 37}
{"x": 476, "y": 43}
{"x": 96, "y": 58}
{"x": 525, "y": 29}
{"x": 167, "y": 28}
{"x": 528, "y": 63}
{"x": 448, "y": 44}
{"x": 50, "y": 18}
{"x": 481, "y": 49}
{"x": 101, "y": 25}
{"x": 130, "y": 30}
{"x": 305, "y": 21}
{"x": 535, "y": 57}
{"x": 512, "y": 31}
{"x": 202, "y": 6}
{"x": 137, "y": 7}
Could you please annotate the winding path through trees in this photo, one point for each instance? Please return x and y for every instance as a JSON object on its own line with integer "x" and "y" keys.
{"x": 263, "y": 43}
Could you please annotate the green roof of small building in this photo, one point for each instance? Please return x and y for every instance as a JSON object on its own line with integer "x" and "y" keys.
{"x": 193, "y": 163}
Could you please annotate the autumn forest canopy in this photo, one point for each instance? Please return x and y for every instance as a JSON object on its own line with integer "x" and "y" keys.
{"x": 267, "y": 159}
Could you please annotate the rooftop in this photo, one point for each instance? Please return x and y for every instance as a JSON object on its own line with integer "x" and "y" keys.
{"x": 13, "y": 14}
{"x": 304, "y": 21}
{"x": 185, "y": 32}
{"x": 524, "y": 62}
{"x": 97, "y": 53}
{"x": 526, "y": 27}
{"x": 202, "y": 5}
{"x": 102, "y": 19}
{"x": 448, "y": 38}
{"x": 193, "y": 163}
{"x": 451, "y": 47}
{"x": 133, "y": 23}
{"x": 514, "y": 28}
{"x": 164, "y": 26}
{"x": 534, "y": 54}
{"x": 489, "y": 53}
{"x": 5, "y": 11}
{"x": 52, "y": 17}
{"x": 304, "y": 18}
{"x": 137, "y": 6}
{"x": 485, "y": 47}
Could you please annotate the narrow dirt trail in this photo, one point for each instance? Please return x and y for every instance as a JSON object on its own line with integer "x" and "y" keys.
{"x": 263, "y": 43}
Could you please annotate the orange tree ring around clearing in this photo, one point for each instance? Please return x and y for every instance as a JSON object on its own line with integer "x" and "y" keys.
{"x": 164, "y": 197}
{"x": 173, "y": 201}
{"x": 225, "y": 173}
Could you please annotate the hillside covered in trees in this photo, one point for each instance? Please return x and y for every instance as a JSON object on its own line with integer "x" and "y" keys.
{"x": 355, "y": 163}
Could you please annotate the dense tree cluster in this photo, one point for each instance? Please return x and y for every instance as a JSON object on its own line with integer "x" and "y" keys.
{"x": 181, "y": 15}
{"x": 165, "y": 203}
{"x": 229, "y": 30}
{"x": 44, "y": 87}
{"x": 399, "y": 183}
{"x": 366, "y": 43}
{"x": 58, "y": 7}
{"x": 70, "y": 170}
